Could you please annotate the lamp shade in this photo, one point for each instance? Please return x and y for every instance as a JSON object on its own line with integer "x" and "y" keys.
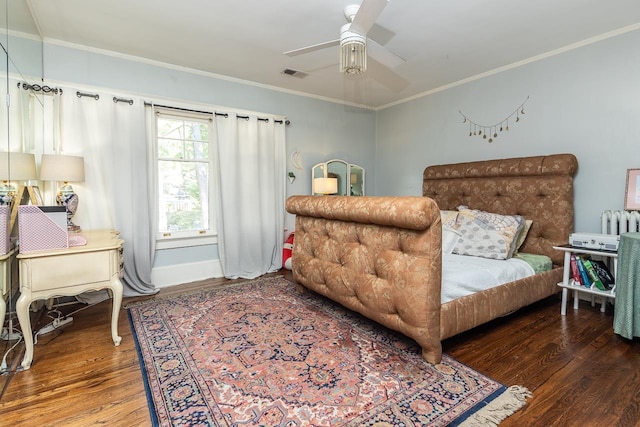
{"x": 325, "y": 185}
{"x": 17, "y": 166}
{"x": 59, "y": 167}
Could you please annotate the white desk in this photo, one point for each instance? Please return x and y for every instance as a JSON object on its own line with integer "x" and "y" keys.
{"x": 67, "y": 272}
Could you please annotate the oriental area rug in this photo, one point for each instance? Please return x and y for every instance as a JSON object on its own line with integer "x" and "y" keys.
{"x": 262, "y": 353}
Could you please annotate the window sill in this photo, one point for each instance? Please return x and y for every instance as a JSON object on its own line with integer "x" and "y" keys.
{"x": 185, "y": 242}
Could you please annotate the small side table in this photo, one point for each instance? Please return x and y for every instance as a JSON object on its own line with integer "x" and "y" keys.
{"x": 626, "y": 318}
{"x": 67, "y": 272}
{"x": 567, "y": 284}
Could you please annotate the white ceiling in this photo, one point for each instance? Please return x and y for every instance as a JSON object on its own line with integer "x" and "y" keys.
{"x": 443, "y": 41}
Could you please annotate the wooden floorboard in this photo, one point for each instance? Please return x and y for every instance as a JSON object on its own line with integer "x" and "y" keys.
{"x": 579, "y": 371}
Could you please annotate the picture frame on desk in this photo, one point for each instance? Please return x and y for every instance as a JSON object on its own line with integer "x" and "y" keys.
{"x": 632, "y": 190}
{"x": 35, "y": 195}
{"x": 42, "y": 228}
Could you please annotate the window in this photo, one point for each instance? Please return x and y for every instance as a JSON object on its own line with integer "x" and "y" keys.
{"x": 185, "y": 171}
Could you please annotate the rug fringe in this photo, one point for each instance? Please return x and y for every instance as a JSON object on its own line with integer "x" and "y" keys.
{"x": 499, "y": 408}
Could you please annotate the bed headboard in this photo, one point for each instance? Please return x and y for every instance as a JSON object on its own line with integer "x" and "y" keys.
{"x": 538, "y": 188}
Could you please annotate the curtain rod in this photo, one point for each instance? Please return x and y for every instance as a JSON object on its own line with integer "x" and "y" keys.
{"x": 262, "y": 119}
{"x": 38, "y": 88}
{"x": 90, "y": 95}
{"x": 97, "y": 97}
{"x": 128, "y": 101}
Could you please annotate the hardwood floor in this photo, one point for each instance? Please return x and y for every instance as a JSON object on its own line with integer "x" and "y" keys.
{"x": 580, "y": 372}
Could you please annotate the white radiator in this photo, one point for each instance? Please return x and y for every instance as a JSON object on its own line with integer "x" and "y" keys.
{"x": 618, "y": 222}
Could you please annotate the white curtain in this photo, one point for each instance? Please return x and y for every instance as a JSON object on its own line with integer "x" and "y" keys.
{"x": 22, "y": 134}
{"x": 251, "y": 192}
{"x": 31, "y": 118}
{"x": 111, "y": 136}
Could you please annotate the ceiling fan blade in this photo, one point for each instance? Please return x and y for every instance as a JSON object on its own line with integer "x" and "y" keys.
{"x": 383, "y": 55}
{"x": 367, "y": 15}
{"x": 380, "y": 34}
{"x": 312, "y": 48}
{"x": 385, "y": 76}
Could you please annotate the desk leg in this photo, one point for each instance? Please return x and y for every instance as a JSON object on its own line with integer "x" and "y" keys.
{"x": 22, "y": 310}
{"x": 3, "y": 311}
{"x": 563, "y": 307}
{"x": 116, "y": 286}
{"x": 576, "y": 300}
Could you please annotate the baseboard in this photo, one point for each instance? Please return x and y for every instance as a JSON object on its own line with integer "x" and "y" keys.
{"x": 184, "y": 273}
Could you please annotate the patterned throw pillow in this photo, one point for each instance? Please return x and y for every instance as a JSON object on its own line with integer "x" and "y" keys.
{"x": 522, "y": 235}
{"x": 449, "y": 218}
{"x": 487, "y": 235}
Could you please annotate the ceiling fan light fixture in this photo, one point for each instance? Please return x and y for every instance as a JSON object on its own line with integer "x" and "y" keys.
{"x": 353, "y": 52}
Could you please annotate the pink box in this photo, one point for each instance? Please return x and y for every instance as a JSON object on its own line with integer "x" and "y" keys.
{"x": 42, "y": 228}
{"x": 5, "y": 233}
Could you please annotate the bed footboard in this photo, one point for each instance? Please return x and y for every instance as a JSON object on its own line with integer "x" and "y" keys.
{"x": 378, "y": 256}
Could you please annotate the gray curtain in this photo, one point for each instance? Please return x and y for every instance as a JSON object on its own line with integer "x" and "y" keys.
{"x": 112, "y": 137}
{"x": 251, "y": 191}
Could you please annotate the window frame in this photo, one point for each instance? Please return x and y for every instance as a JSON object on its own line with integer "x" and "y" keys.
{"x": 182, "y": 239}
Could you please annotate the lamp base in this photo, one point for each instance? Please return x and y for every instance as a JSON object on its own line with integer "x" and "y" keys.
{"x": 69, "y": 200}
{"x": 7, "y": 194}
{"x": 72, "y": 228}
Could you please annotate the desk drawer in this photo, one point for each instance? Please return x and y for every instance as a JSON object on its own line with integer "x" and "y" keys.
{"x": 65, "y": 270}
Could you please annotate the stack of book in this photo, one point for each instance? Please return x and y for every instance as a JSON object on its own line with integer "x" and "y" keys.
{"x": 591, "y": 273}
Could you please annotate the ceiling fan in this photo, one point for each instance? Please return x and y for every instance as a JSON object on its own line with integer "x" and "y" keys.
{"x": 355, "y": 47}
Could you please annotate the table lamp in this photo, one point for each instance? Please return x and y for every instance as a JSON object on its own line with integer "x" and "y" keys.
{"x": 15, "y": 167}
{"x": 325, "y": 185}
{"x": 59, "y": 167}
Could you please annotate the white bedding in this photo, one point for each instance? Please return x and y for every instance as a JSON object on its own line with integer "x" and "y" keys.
{"x": 463, "y": 275}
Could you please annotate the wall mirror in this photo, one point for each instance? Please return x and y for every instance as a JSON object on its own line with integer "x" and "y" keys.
{"x": 21, "y": 131}
{"x": 350, "y": 177}
{"x": 22, "y": 117}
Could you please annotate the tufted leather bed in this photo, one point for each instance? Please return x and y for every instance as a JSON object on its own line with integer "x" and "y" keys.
{"x": 382, "y": 257}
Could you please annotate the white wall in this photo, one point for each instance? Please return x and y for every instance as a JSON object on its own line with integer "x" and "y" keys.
{"x": 585, "y": 101}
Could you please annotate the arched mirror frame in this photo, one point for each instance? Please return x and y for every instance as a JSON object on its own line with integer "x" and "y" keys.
{"x": 22, "y": 118}
{"x": 351, "y": 179}
{"x": 22, "y": 61}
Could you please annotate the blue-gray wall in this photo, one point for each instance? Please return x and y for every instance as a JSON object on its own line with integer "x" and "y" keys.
{"x": 585, "y": 101}
{"x": 320, "y": 130}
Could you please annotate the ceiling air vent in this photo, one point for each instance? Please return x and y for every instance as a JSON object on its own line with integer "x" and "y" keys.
{"x": 294, "y": 73}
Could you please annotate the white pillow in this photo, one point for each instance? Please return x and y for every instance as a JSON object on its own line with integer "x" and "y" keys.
{"x": 450, "y": 239}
